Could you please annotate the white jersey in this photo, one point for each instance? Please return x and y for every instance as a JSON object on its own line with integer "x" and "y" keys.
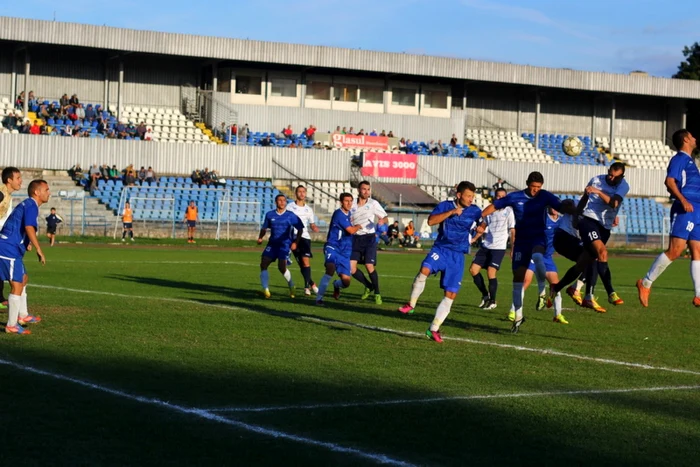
{"x": 596, "y": 209}
{"x": 498, "y": 229}
{"x": 306, "y": 214}
{"x": 366, "y": 216}
{"x": 7, "y": 214}
{"x": 565, "y": 224}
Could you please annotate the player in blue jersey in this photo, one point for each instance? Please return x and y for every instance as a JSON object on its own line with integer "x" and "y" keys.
{"x": 683, "y": 182}
{"x": 282, "y": 241}
{"x": 18, "y": 232}
{"x": 338, "y": 249}
{"x": 456, "y": 219}
{"x": 530, "y": 209}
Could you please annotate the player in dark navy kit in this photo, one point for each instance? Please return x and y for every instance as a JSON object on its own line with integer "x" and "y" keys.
{"x": 281, "y": 224}
{"x": 52, "y": 221}
{"x": 530, "y": 208}
{"x": 456, "y": 219}
{"x": 338, "y": 249}
{"x": 683, "y": 182}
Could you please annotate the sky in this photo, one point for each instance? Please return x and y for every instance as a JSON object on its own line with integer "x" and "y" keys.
{"x": 616, "y": 36}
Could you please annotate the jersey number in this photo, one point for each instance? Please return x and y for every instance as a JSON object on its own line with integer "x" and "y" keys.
{"x": 690, "y": 227}
{"x": 435, "y": 256}
{"x": 517, "y": 256}
{"x": 593, "y": 235}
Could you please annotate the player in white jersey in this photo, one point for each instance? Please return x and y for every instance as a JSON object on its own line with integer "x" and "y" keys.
{"x": 11, "y": 182}
{"x": 303, "y": 251}
{"x": 498, "y": 226}
{"x": 366, "y": 212}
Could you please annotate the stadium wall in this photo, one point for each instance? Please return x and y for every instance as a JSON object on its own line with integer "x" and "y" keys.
{"x": 257, "y": 162}
{"x": 6, "y": 72}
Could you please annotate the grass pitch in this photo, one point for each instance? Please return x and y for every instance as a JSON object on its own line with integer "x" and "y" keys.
{"x": 167, "y": 355}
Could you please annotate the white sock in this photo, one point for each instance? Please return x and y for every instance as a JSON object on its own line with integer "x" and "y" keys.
{"x": 579, "y": 285}
{"x": 540, "y": 269}
{"x": 557, "y": 305}
{"x": 264, "y": 279}
{"x": 518, "y": 300}
{"x": 695, "y": 274}
{"x": 23, "y": 310}
{"x": 14, "y": 303}
{"x": 441, "y": 313}
{"x": 322, "y": 286}
{"x": 288, "y": 277}
{"x": 657, "y": 267}
{"x": 417, "y": 289}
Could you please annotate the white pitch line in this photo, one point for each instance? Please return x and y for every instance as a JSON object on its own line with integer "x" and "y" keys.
{"x": 237, "y": 263}
{"x": 500, "y": 345}
{"x": 207, "y": 415}
{"x": 429, "y": 400}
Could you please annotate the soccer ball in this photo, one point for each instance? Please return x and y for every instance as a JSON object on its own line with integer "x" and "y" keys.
{"x": 417, "y": 245}
{"x": 572, "y": 146}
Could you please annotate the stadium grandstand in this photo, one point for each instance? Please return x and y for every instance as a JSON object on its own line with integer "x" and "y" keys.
{"x": 271, "y": 115}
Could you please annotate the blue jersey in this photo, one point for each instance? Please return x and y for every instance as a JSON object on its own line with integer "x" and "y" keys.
{"x": 338, "y": 236}
{"x": 454, "y": 232}
{"x": 550, "y": 228}
{"x": 683, "y": 170}
{"x": 13, "y": 237}
{"x": 530, "y": 211}
{"x": 281, "y": 226}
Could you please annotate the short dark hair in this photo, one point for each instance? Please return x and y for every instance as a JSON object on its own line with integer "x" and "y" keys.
{"x": 501, "y": 189}
{"x": 465, "y": 186}
{"x": 34, "y": 185}
{"x": 8, "y": 173}
{"x": 278, "y": 196}
{"x": 678, "y": 138}
{"x": 363, "y": 182}
{"x": 534, "y": 177}
{"x": 343, "y": 196}
{"x": 297, "y": 188}
{"x": 618, "y": 166}
{"x": 52, "y": 209}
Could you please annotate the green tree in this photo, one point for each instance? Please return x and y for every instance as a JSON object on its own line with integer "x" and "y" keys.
{"x": 690, "y": 67}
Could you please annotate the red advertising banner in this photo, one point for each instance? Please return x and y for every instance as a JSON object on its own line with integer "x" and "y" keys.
{"x": 360, "y": 141}
{"x": 377, "y": 164}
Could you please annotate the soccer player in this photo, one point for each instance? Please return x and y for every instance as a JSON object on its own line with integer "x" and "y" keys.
{"x": 52, "y": 221}
{"x": 338, "y": 249}
{"x": 191, "y": 219}
{"x": 456, "y": 218}
{"x": 11, "y": 182}
{"x": 303, "y": 251}
{"x": 498, "y": 227}
{"x": 17, "y": 233}
{"x": 364, "y": 245}
{"x": 529, "y": 207}
{"x": 599, "y": 207}
{"x": 127, "y": 222}
{"x": 683, "y": 182}
{"x": 281, "y": 224}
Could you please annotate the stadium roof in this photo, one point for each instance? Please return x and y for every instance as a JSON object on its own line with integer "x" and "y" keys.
{"x": 185, "y": 45}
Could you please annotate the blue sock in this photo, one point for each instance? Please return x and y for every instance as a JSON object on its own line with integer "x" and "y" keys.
{"x": 264, "y": 279}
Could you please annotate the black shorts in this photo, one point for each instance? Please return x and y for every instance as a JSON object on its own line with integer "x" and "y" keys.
{"x": 51, "y": 230}
{"x": 364, "y": 249}
{"x": 591, "y": 230}
{"x": 303, "y": 250}
{"x": 127, "y": 225}
{"x": 487, "y": 258}
{"x": 192, "y": 224}
{"x": 567, "y": 245}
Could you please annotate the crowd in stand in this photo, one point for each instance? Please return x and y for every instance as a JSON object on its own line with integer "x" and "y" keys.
{"x": 206, "y": 177}
{"x": 129, "y": 175}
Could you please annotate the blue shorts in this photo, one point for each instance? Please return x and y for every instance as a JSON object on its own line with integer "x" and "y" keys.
{"x": 341, "y": 262}
{"x": 522, "y": 250}
{"x": 11, "y": 269}
{"x": 548, "y": 264}
{"x": 685, "y": 225}
{"x": 192, "y": 224}
{"x": 276, "y": 251}
{"x": 364, "y": 249}
{"x": 450, "y": 265}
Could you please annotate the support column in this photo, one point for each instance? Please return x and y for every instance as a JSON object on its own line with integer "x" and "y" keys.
{"x": 27, "y": 66}
{"x": 105, "y": 99}
{"x": 214, "y": 77}
{"x": 612, "y": 127}
{"x": 593, "y": 122}
{"x": 520, "y": 112}
{"x": 537, "y": 120}
{"x": 466, "y": 112}
{"x": 13, "y": 80}
{"x": 302, "y": 90}
{"x": 120, "y": 90}
{"x": 664, "y": 124}
{"x": 684, "y": 116}
{"x": 385, "y": 95}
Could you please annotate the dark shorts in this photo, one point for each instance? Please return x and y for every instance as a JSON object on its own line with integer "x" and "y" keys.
{"x": 303, "y": 250}
{"x": 567, "y": 245}
{"x": 522, "y": 250}
{"x": 591, "y": 230}
{"x": 192, "y": 224}
{"x": 127, "y": 225}
{"x": 487, "y": 258}
{"x": 364, "y": 249}
{"x": 51, "y": 230}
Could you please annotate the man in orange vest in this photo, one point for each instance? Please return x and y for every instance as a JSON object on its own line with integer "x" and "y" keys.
{"x": 127, "y": 222}
{"x": 191, "y": 219}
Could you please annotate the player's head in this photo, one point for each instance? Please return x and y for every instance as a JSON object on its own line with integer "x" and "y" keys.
{"x": 364, "y": 190}
{"x": 12, "y": 177}
{"x": 345, "y": 201}
{"x": 39, "y": 191}
{"x": 683, "y": 141}
{"x": 300, "y": 193}
{"x": 127, "y": 204}
{"x": 500, "y": 193}
{"x": 534, "y": 183}
{"x": 281, "y": 202}
{"x": 616, "y": 172}
{"x": 465, "y": 194}
{"x": 192, "y": 203}
{"x": 53, "y": 210}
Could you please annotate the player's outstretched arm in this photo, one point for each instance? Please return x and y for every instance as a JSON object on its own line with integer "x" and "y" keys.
{"x": 672, "y": 187}
{"x": 31, "y": 234}
{"x": 261, "y": 235}
{"x": 351, "y": 230}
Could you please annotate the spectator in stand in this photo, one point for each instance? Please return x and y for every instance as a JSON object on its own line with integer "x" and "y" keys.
{"x": 142, "y": 174}
{"x": 111, "y": 133}
{"x": 102, "y": 126}
{"x": 95, "y": 175}
{"x": 310, "y": 132}
{"x": 287, "y": 132}
{"x": 244, "y": 132}
{"x": 114, "y": 173}
{"x": 130, "y": 175}
{"x": 265, "y": 141}
{"x": 26, "y": 128}
{"x": 432, "y": 147}
{"x": 149, "y": 135}
{"x": 402, "y": 145}
{"x": 382, "y": 233}
{"x": 76, "y": 173}
{"x": 351, "y": 131}
{"x": 221, "y": 131}
{"x": 131, "y": 130}
{"x": 393, "y": 232}
{"x": 442, "y": 150}
{"x": 453, "y": 141}
{"x": 32, "y": 100}
{"x": 234, "y": 129}
{"x": 120, "y": 130}
{"x": 43, "y": 111}
{"x": 68, "y": 130}
{"x": 141, "y": 130}
{"x": 53, "y": 110}
{"x": 361, "y": 132}
{"x": 391, "y": 134}
{"x": 344, "y": 131}
{"x": 79, "y": 111}
{"x": 601, "y": 158}
{"x": 74, "y": 100}
{"x": 206, "y": 177}
{"x": 90, "y": 113}
{"x": 19, "y": 102}
{"x": 10, "y": 121}
{"x": 104, "y": 172}
{"x": 46, "y": 130}
{"x": 383, "y": 133}
{"x": 64, "y": 102}
{"x": 337, "y": 130}
{"x": 373, "y": 133}
{"x": 410, "y": 237}
{"x": 150, "y": 175}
